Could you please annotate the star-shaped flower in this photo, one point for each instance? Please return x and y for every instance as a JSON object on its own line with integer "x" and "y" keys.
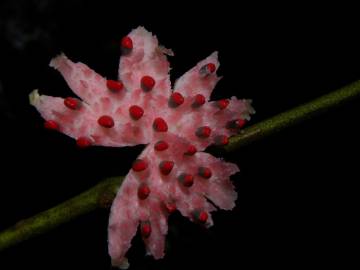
{"x": 177, "y": 124}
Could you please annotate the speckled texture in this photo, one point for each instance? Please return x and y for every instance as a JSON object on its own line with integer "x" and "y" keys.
{"x": 130, "y": 208}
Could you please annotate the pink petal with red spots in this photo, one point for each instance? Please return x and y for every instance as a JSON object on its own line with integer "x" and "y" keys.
{"x": 171, "y": 173}
{"x": 123, "y": 223}
{"x": 86, "y": 83}
{"x": 194, "y": 82}
{"x": 145, "y": 59}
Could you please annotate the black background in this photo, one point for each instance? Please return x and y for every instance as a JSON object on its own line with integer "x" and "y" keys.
{"x": 297, "y": 194}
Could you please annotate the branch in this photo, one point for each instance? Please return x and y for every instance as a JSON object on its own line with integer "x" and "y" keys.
{"x": 294, "y": 116}
{"x": 102, "y": 194}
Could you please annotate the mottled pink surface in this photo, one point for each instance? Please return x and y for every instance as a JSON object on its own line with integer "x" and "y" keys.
{"x": 130, "y": 209}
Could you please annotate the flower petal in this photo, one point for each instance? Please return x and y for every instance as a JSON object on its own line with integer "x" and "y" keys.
{"x": 85, "y": 82}
{"x": 123, "y": 223}
{"x": 83, "y": 122}
{"x": 194, "y": 82}
{"x": 145, "y": 59}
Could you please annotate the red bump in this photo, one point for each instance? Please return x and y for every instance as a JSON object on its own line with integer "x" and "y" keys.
{"x": 170, "y": 207}
{"x": 236, "y": 124}
{"x": 176, "y": 99}
{"x": 204, "y": 172}
{"x": 191, "y": 150}
{"x": 160, "y": 125}
{"x": 51, "y": 125}
{"x": 166, "y": 166}
{"x": 115, "y": 86}
{"x": 147, "y": 83}
{"x": 199, "y": 100}
{"x": 106, "y": 121}
{"x": 203, "y": 216}
{"x": 221, "y": 140}
{"x": 143, "y": 191}
{"x": 222, "y": 104}
{"x": 139, "y": 165}
{"x": 207, "y": 69}
{"x": 145, "y": 228}
{"x": 186, "y": 179}
{"x": 240, "y": 123}
{"x": 203, "y": 132}
{"x": 161, "y": 146}
{"x": 200, "y": 216}
{"x": 136, "y": 112}
{"x": 83, "y": 142}
{"x": 71, "y": 103}
{"x": 126, "y": 43}
{"x": 211, "y": 67}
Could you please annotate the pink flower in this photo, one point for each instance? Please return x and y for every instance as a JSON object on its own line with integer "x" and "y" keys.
{"x": 177, "y": 124}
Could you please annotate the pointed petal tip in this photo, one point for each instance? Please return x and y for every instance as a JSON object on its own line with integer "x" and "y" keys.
{"x": 235, "y": 168}
{"x": 141, "y": 30}
{"x": 56, "y": 61}
{"x": 249, "y": 109}
{"x": 215, "y": 55}
{"x": 159, "y": 256}
{"x": 166, "y": 51}
{"x": 249, "y": 106}
{"x": 124, "y": 264}
{"x": 214, "y": 58}
{"x": 34, "y": 97}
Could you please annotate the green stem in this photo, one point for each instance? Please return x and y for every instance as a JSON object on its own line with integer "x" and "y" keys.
{"x": 293, "y": 116}
{"x": 102, "y": 194}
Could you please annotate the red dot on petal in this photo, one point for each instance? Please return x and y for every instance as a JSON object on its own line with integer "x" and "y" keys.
{"x": 200, "y": 216}
{"x": 203, "y": 132}
{"x": 161, "y": 146}
{"x": 115, "y": 86}
{"x": 126, "y": 43}
{"x": 136, "y": 112}
{"x": 240, "y": 123}
{"x": 83, "y": 142}
{"x": 147, "y": 83}
{"x": 191, "y": 150}
{"x": 199, "y": 100}
{"x": 211, "y": 67}
{"x": 106, "y": 121}
{"x": 186, "y": 179}
{"x": 160, "y": 125}
{"x": 139, "y": 165}
{"x": 223, "y": 103}
{"x": 170, "y": 207}
{"x": 143, "y": 191}
{"x": 203, "y": 216}
{"x": 176, "y": 99}
{"x": 221, "y": 140}
{"x": 51, "y": 125}
{"x": 71, "y": 103}
{"x": 236, "y": 124}
{"x": 166, "y": 166}
{"x": 145, "y": 229}
{"x": 207, "y": 69}
{"x": 204, "y": 172}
